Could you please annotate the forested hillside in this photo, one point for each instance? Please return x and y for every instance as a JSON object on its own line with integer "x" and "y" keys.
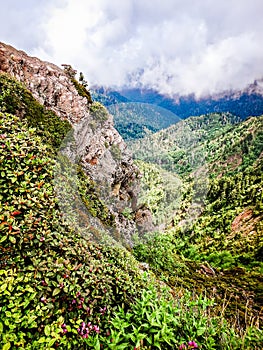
{"x": 216, "y": 216}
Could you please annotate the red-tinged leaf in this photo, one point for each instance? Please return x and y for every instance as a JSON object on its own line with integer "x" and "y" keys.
{"x": 4, "y": 223}
{"x": 15, "y": 213}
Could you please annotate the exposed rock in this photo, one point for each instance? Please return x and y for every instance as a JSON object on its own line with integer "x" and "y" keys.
{"x": 245, "y": 223}
{"x": 99, "y": 147}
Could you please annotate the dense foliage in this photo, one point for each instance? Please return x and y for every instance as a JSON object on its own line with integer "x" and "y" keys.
{"x": 214, "y": 221}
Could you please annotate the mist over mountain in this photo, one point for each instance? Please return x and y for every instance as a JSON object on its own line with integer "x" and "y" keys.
{"x": 243, "y": 103}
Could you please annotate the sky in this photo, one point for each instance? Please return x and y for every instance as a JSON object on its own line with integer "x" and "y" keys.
{"x": 173, "y": 46}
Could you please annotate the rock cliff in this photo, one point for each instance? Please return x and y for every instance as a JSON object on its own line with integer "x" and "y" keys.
{"x": 100, "y": 149}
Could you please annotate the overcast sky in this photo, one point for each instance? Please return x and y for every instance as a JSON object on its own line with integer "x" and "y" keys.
{"x": 174, "y": 46}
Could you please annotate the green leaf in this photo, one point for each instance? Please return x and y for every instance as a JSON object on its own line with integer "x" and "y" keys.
{"x": 12, "y": 239}
{"x": 201, "y": 331}
{"x": 47, "y": 330}
{"x": 3, "y": 239}
{"x": 6, "y": 346}
{"x": 3, "y": 287}
{"x": 56, "y": 291}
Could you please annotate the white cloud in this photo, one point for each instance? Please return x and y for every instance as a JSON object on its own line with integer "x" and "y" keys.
{"x": 175, "y": 46}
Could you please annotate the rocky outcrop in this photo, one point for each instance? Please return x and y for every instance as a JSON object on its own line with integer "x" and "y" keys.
{"x": 100, "y": 149}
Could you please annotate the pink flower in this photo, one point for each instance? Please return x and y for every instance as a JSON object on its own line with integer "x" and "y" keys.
{"x": 43, "y": 299}
{"x": 182, "y": 346}
{"x": 193, "y": 344}
{"x": 42, "y": 239}
{"x": 96, "y": 329}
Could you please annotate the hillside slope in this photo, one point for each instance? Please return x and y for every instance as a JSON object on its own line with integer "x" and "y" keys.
{"x": 99, "y": 149}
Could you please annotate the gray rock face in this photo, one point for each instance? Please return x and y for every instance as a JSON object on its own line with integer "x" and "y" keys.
{"x": 100, "y": 148}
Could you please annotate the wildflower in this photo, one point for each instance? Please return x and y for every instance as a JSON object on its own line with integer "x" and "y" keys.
{"x": 193, "y": 344}
{"x": 182, "y": 346}
{"x": 102, "y": 311}
{"x": 73, "y": 301}
{"x": 42, "y": 239}
{"x": 43, "y": 299}
{"x": 78, "y": 294}
{"x": 44, "y": 283}
{"x": 96, "y": 329}
{"x": 64, "y": 328}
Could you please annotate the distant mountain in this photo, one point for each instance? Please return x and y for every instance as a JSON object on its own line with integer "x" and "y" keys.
{"x": 135, "y": 120}
{"x": 243, "y": 103}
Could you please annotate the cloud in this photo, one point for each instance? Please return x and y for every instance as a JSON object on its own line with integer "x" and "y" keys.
{"x": 174, "y": 46}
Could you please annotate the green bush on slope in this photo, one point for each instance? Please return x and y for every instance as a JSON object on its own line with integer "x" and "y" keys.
{"x": 17, "y": 100}
{"x": 49, "y": 274}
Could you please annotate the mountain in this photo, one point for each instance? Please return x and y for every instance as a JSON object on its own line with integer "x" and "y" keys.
{"x": 243, "y": 103}
{"x": 99, "y": 147}
{"x": 81, "y": 265}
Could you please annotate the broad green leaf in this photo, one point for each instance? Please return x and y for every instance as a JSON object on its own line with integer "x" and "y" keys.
{"x": 3, "y": 287}
{"x": 56, "y": 291}
{"x": 47, "y": 330}
{"x": 6, "y": 346}
{"x": 12, "y": 239}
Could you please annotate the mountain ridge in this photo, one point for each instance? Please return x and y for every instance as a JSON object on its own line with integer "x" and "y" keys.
{"x": 243, "y": 103}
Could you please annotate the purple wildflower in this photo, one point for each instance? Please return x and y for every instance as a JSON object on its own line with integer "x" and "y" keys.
{"x": 182, "y": 346}
{"x": 42, "y": 239}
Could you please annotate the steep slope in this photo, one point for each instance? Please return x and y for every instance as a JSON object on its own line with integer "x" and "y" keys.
{"x": 100, "y": 149}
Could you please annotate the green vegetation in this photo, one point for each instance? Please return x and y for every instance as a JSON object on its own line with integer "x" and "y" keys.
{"x": 16, "y": 99}
{"x": 50, "y": 275}
{"x": 136, "y": 120}
{"x": 213, "y": 238}
{"x": 68, "y": 287}
{"x": 99, "y": 111}
{"x": 81, "y": 85}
